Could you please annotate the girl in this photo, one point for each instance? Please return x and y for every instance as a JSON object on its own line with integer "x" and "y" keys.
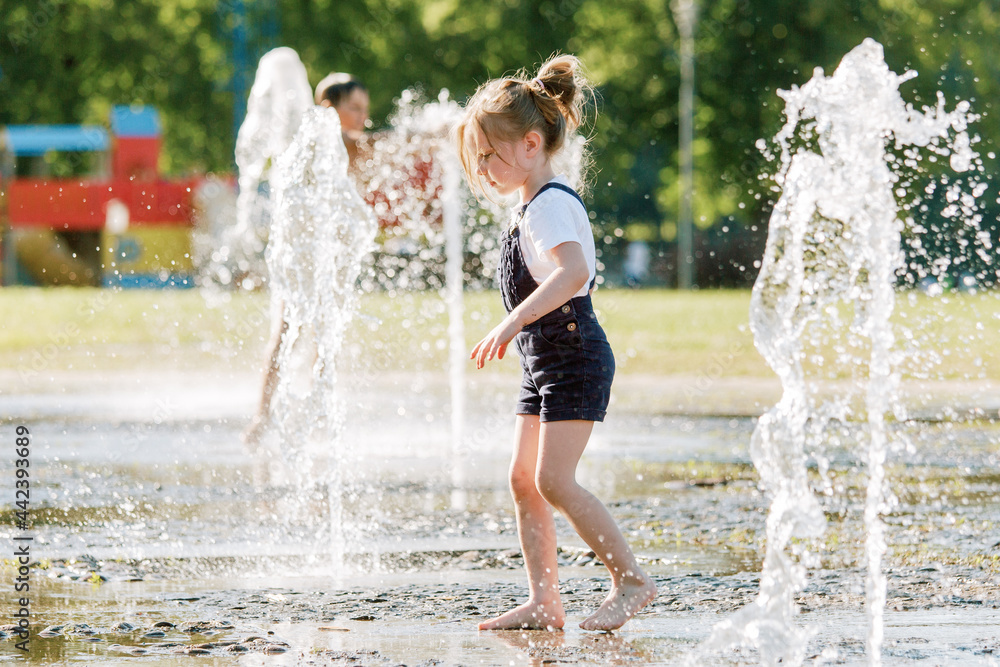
{"x": 510, "y": 132}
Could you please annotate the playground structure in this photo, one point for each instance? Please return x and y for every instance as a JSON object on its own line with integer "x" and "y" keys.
{"x": 115, "y": 222}
{"x": 124, "y": 227}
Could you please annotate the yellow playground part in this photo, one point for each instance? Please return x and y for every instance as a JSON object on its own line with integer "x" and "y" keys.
{"x": 147, "y": 256}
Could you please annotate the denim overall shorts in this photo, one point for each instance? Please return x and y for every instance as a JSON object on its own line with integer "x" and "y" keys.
{"x": 566, "y": 360}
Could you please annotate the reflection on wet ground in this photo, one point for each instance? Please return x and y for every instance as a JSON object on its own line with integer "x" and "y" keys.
{"x": 394, "y": 620}
{"x": 170, "y": 521}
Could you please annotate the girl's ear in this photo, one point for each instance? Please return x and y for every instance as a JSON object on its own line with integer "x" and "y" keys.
{"x": 533, "y": 143}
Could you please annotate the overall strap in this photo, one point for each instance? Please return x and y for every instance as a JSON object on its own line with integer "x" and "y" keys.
{"x": 557, "y": 186}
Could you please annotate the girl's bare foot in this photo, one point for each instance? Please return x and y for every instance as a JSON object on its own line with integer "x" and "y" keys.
{"x": 623, "y": 602}
{"x": 529, "y": 616}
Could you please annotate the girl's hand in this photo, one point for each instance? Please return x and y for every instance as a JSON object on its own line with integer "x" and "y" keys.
{"x": 570, "y": 275}
{"x": 495, "y": 343}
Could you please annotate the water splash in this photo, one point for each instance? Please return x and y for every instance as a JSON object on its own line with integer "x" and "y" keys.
{"x": 405, "y": 173}
{"x": 320, "y": 236}
{"x": 231, "y": 254}
{"x": 820, "y": 312}
{"x": 411, "y": 176}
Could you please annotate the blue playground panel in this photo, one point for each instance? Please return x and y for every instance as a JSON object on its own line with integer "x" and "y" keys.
{"x": 34, "y": 140}
{"x": 135, "y": 122}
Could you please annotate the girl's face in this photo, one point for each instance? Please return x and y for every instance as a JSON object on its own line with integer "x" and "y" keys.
{"x": 353, "y": 112}
{"x": 498, "y": 165}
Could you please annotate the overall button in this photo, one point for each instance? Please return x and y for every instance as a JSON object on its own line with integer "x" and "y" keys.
{"x": 566, "y": 309}
{"x": 571, "y": 326}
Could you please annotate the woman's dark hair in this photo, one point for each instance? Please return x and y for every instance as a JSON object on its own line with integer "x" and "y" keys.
{"x": 336, "y": 88}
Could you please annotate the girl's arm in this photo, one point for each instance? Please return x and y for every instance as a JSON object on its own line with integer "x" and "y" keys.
{"x": 570, "y": 275}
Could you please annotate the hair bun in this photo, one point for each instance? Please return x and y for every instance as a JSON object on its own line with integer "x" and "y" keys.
{"x": 562, "y": 82}
{"x": 505, "y": 109}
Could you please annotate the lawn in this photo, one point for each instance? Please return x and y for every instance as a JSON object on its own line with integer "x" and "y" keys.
{"x": 655, "y": 332}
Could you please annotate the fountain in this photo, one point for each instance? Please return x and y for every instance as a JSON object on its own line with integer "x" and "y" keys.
{"x": 320, "y": 236}
{"x": 231, "y": 254}
{"x": 320, "y": 256}
{"x": 427, "y": 218}
{"x": 820, "y": 311}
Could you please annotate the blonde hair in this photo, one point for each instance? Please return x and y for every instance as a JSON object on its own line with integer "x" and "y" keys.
{"x": 505, "y": 109}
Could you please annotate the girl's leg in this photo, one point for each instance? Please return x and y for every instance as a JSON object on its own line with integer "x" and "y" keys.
{"x": 537, "y": 533}
{"x": 561, "y": 445}
{"x": 259, "y": 422}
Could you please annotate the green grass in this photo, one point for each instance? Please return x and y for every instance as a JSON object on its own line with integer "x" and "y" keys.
{"x": 677, "y": 333}
{"x": 656, "y": 332}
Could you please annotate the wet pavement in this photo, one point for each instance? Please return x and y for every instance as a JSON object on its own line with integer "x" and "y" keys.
{"x": 159, "y": 538}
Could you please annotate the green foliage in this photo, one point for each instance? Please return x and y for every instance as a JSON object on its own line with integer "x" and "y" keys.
{"x": 68, "y": 61}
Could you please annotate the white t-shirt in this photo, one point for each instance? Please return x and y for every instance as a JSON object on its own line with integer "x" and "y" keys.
{"x": 555, "y": 217}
